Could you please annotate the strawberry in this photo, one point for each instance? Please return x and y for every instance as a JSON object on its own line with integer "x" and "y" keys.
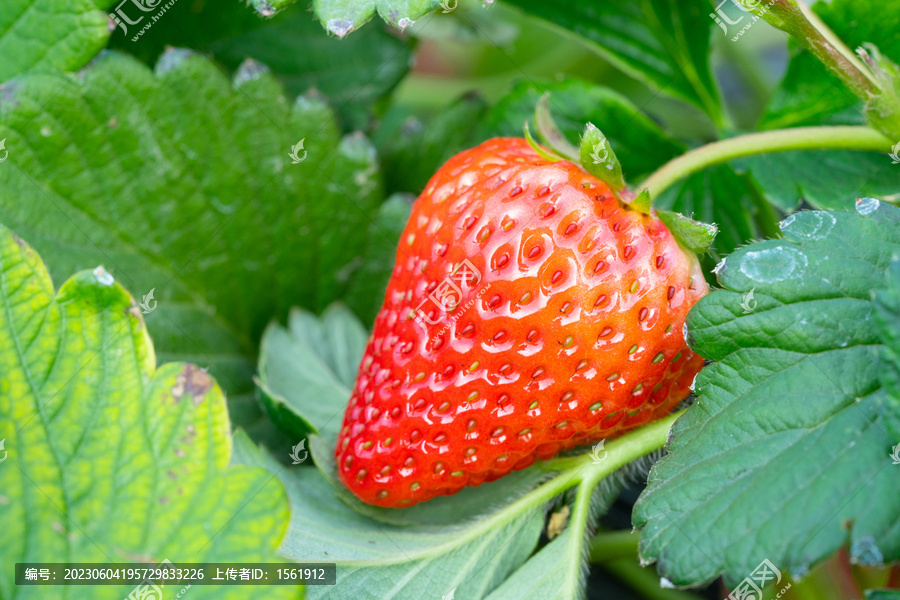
{"x": 529, "y": 311}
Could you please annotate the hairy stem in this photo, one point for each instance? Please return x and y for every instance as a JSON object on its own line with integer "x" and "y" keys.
{"x": 811, "y": 32}
{"x": 782, "y": 140}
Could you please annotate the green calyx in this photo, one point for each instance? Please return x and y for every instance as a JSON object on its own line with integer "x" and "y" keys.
{"x": 690, "y": 234}
{"x": 596, "y": 157}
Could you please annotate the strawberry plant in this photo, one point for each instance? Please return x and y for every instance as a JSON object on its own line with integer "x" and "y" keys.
{"x": 463, "y": 300}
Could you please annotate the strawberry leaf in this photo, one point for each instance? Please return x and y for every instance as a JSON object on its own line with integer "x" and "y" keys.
{"x": 792, "y": 406}
{"x": 50, "y": 34}
{"x": 307, "y": 370}
{"x": 665, "y": 44}
{"x": 109, "y": 458}
{"x": 827, "y": 179}
{"x": 198, "y": 202}
{"x": 887, "y": 319}
{"x": 340, "y": 17}
{"x": 354, "y": 74}
{"x": 388, "y": 561}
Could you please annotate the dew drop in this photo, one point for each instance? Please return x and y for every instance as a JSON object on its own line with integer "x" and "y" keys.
{"x": 339, "y": 27}
{"x": 866, "y": 206}
{"x": 103, "y": 276}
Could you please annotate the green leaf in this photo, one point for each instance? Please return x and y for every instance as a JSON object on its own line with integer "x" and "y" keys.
{"x": 354, "y": 74}
{"x": 638, "y": 142}
{"x": 555, "y": 572}
{"x": 197, "y": 201}
{"x": 109, "y": 458}
{"x": 306, "y": 371}
{"x": 48, "y": 35}
{"x": 786, "y": 447}
{"x": 389, "y": 561}
{"x": 887, "y": 319}
{"x": 661, "y": 42}
{"x": 827, "y": 179}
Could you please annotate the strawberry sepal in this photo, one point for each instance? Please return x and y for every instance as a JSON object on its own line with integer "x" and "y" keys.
{"x": 690, "y": 234}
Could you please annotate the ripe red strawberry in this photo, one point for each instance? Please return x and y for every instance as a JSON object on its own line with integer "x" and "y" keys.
{"x": 564, "y": 327}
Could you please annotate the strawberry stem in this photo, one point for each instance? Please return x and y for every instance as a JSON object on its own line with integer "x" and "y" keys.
{"x": 874, "y": 82}
{"x": 781, "y": 140}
